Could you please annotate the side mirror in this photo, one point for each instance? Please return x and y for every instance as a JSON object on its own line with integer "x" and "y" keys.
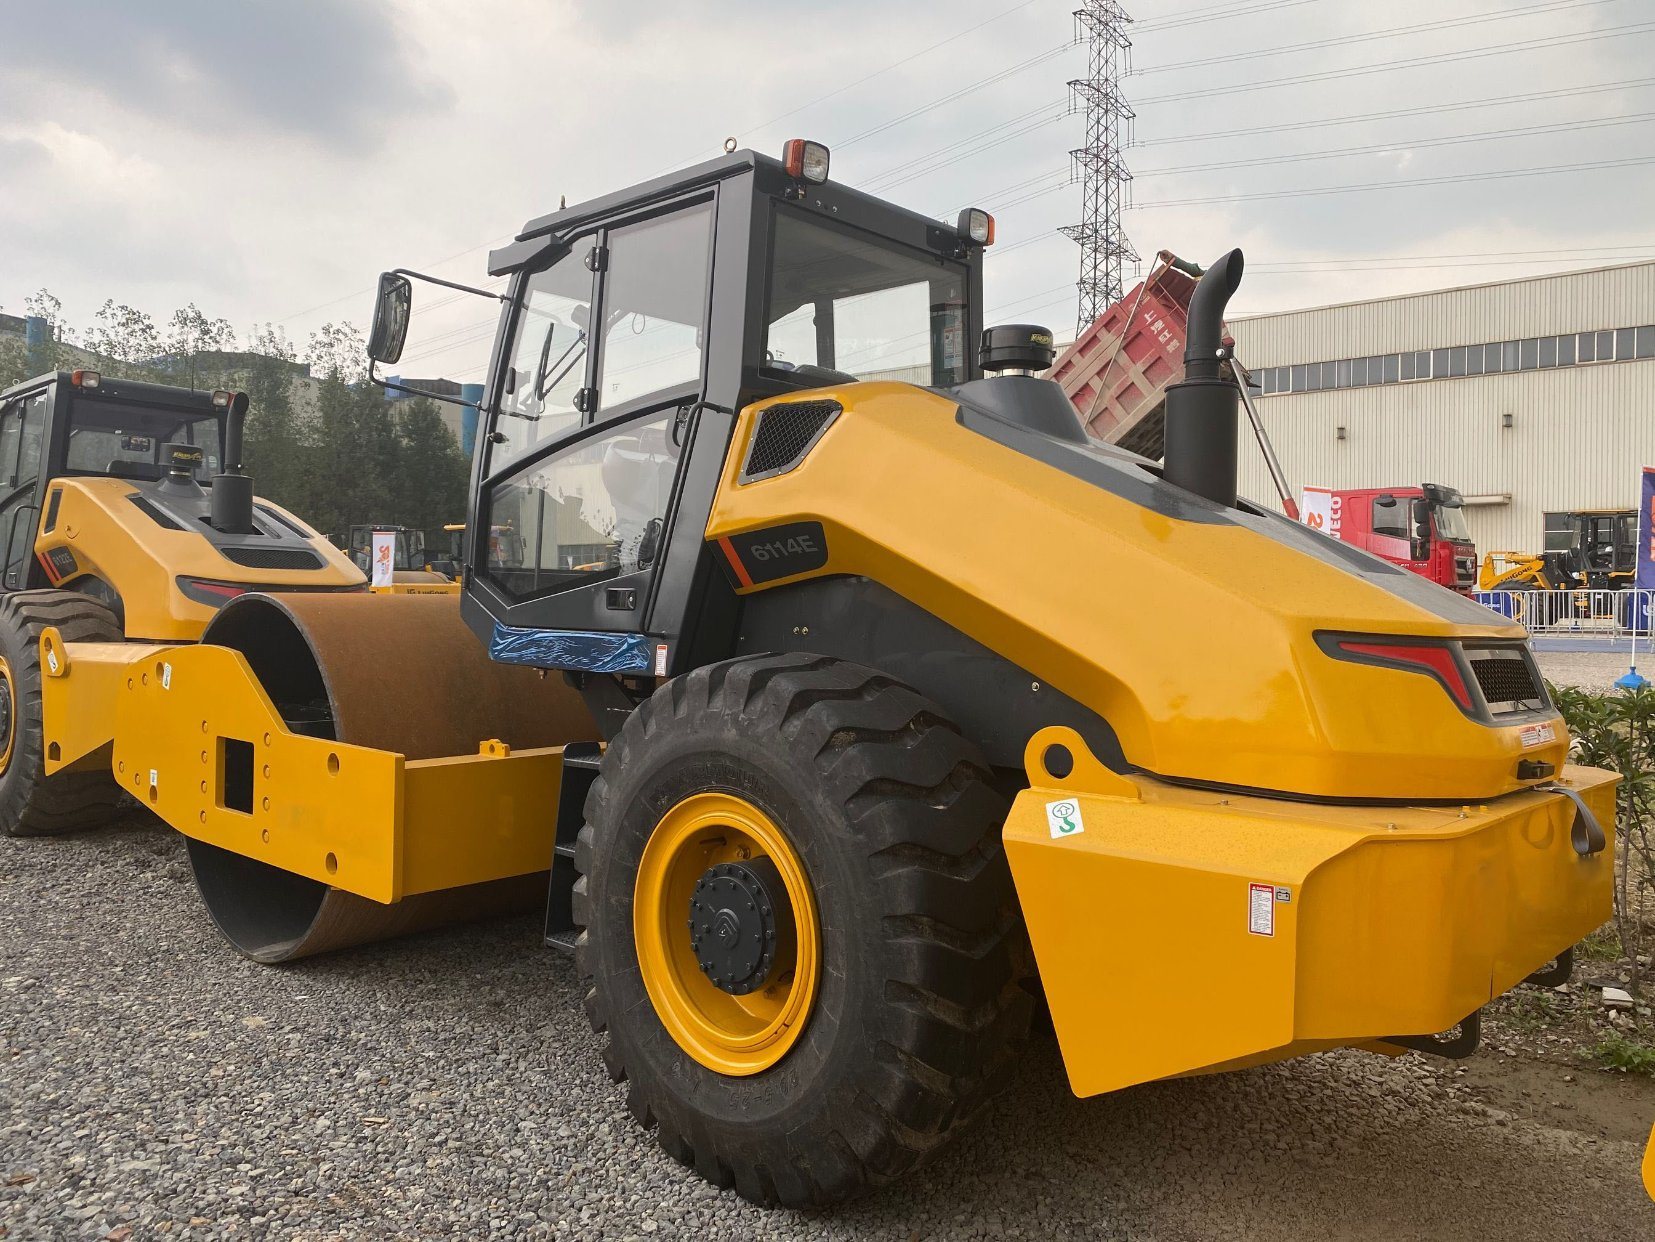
{"x": 1387, "y": 501}
{"x": 391, "y": 311}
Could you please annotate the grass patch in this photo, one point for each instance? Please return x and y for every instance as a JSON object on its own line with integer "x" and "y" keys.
{"x": 1530, "y": 1009}
{"x": 1630, "y": 1056}
{"x": 1601, "y": 946}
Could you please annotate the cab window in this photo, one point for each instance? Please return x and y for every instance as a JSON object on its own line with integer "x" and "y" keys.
{"x": 654, "y": 306}
{"x": 546, "y": 365}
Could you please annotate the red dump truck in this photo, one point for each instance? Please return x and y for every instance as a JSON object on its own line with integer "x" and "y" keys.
{"x": 1421, "y": 528}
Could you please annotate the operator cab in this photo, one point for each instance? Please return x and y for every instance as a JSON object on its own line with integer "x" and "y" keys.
{"x": 634, "y": 328}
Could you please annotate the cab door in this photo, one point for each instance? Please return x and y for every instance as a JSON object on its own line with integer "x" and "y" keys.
{"x": 22, "y": 438}
{"x": 604, "y": 365}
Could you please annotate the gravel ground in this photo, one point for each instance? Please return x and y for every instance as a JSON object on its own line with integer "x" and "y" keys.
{"x": 1590, "y": 670}
{"x": 447, "y": 1086}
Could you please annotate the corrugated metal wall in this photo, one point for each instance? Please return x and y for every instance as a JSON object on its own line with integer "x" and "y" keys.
{"x": 1579, "y": 436}
{"x": 1578, "y": 439}
{"x": 1606, "y": 297}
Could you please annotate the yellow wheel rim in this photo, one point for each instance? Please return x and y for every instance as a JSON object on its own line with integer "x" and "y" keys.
{"x": 8, "y": 714}
{"x": 728, "y": 1033}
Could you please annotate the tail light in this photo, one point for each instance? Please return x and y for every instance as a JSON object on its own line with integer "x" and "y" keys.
{"x": 1434, "y": 659}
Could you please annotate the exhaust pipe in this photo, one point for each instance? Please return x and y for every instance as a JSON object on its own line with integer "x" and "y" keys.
{"x": 233, "y": 490}
{"x": 1201, "y": 417}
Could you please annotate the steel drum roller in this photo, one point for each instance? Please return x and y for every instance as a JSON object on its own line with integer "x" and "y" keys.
{"x": 394, "y": 672}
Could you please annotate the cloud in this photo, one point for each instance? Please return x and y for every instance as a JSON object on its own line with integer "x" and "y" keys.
{"x": 338, "y": 71}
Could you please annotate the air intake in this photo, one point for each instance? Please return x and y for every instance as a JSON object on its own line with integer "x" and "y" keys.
{"x": 1505, "y": 675}
{"x": 272, "y": 558}
{"x": 785, "y": 433}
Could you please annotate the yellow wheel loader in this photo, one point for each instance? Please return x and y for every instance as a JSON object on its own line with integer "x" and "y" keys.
{"x": 816, "y": 712}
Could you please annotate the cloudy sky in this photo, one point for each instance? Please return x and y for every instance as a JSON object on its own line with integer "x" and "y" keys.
{"x": 264, "y": 159}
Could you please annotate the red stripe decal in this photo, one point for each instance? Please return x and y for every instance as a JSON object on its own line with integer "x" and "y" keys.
{"x": 46, "y": 564}
{"x": 742, "y": 576}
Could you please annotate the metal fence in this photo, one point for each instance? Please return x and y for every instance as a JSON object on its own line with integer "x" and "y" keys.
{"x": 1608, "y": 615}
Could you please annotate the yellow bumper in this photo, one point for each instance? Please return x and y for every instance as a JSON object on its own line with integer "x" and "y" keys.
{"x": 193, "y": 735}
{"x": 1180, "y": 931}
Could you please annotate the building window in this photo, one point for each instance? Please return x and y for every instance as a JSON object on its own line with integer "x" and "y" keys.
{"x": 1548, "y": 351}
{"x": 1586, "y": 346}
{"x": 1565, "y": 351}
{"x": 1439, "y": 363}
{"x": 1391, "y": 361}
{"x": 1408, "y": 366}
{"x": 1456, "y": 362}
{"x": 1646, "y": 342}
{"x": 1330, "y": 374}
{"x": 1341, "y": 374}
{"x": 1528, "y": 354}
{"x": 1474, "y": 360}
{"x": 1606, "y": 346}
{"x": 1626, "y": 343}
{"x": 1300, "y": 383}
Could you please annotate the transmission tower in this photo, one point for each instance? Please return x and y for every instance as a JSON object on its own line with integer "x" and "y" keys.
{"x": 1100, "y": 166}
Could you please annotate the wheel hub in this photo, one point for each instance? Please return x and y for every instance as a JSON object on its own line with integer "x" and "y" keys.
{"x": 8, "y": 713}
{"x": 737, "y": 911}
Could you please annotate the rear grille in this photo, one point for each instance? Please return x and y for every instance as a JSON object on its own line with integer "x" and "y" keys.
{"x": 784, "y": 434}
{"x": 156, "y": 515}
{"x": 272, "y": 558}
{"x": 1505, "y": 678}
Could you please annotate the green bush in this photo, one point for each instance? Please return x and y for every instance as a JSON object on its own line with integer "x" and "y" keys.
{"x": 1617, "y": 731}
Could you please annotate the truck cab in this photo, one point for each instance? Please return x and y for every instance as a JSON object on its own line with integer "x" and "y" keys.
{"x": 1420, "y": 528}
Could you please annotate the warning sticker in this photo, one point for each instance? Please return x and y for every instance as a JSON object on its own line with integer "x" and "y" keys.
{"x": 1261, "y": 909}
{"x": 1063, "y": 818}
{"x": 660, "y": 659}
{"x": 1537, "y": 735}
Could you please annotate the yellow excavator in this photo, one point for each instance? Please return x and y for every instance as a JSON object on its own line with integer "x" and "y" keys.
{"x": 814, "y": 711}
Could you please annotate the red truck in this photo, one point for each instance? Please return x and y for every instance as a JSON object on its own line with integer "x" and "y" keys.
{"x": 1421, "y": 528}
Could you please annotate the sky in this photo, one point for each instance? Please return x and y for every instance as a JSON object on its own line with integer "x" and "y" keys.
{"x": 265, "y": 159}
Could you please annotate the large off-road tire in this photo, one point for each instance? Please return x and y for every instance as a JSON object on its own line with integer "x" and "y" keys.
{"x": 896, "y": 1000}
{"x": 32, "y": 803}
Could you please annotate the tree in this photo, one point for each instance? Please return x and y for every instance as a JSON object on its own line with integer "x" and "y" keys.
{"x": 277, "y": 452}
{"x": 431, "y": 477}
{"x": 189, "y": 335}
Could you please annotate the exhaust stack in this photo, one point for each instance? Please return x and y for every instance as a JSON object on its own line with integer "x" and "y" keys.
{"x": 233, "y": 490}
{"x": 1201, "y": 417}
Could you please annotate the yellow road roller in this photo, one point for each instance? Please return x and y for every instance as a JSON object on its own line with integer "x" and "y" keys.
{"x": 854, "y": 701}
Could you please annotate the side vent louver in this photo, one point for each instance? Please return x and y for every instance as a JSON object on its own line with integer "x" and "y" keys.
{"x": 785, "y": 433}
{"x": 155, "y": 514}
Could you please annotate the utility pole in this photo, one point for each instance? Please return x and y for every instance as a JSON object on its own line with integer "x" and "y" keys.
{"x": 1100, "y": 165}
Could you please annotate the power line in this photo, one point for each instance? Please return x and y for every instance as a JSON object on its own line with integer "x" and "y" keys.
{"x": 1225, "y": 12}
{"x": 1425, "y": 110}
{"x": 1499, "y": 49}
{"x": 1408, "y": 182}
{"x": 1572, "y": 127}
{"x": 1537, "y": 9}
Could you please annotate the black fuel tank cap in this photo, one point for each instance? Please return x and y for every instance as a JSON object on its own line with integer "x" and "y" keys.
{"x": 1017, "y": 346}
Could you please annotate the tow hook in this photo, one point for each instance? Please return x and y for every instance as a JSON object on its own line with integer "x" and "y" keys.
{"x": 1455, "y": 1043}
{"x": 1556, "y": 971}
{"x": 1586, "y": 834}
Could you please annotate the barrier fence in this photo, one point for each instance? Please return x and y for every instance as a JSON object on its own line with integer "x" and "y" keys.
{"x": 1608, "y": 615}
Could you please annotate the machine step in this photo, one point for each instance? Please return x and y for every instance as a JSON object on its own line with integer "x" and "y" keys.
{"x": 564, "y": 940}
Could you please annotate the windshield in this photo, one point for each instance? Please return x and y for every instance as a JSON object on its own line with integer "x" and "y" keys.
{"x": 408, "y": 553}
{"x": 1451, "y": 522}
{"x": 853, "y": 303}
{"x": 125, "y": 439}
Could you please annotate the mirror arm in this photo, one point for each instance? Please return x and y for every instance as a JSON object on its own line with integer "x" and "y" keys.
{"x": 449, "y": 284}
{"x": 375, "y": 378}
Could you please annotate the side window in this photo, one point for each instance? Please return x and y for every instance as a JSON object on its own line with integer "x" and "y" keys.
{"x": 33, "y": 435}
{"x": 1392, "y": 519}
{"x": 11, "y": 429}
{"x": 548, "y": 357}
{"x": 590, "y": 512}
{"x": 654, "y": 305}
{"x": 1560, "y": 532}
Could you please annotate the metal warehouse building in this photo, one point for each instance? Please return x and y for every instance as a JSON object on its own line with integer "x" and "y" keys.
{"x": 1531, "y": 396}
